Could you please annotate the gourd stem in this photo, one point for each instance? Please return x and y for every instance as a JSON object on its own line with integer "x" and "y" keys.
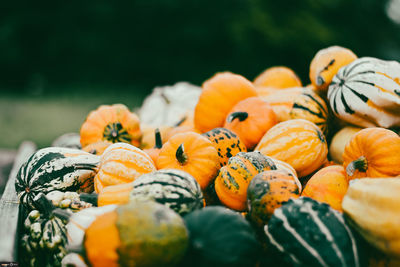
{"x": 62, "y": 214}
{"x": 181, "y": 155}
{"x": 158, "y": 139}
{"x": 89, "y": 198}
{"x": 180, "y": 122}
{"x": 359, "y": 164}
{"x": 241, "y": 115}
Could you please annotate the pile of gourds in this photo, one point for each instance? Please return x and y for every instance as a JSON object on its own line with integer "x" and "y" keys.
{"x": 235, "y": 173}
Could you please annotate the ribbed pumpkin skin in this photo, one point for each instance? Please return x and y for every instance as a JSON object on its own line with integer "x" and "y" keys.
{"x": 380, "y": 148}
{"x": 55, "y": 168}
{"x": 210, "y": 112}
{"x": 250, "y": 119}
{"x": 113, "y": 123}
{"x": 328, "y": 185}
{"x": 122, "y": 163}
{"x": 366, "y": 93}
{"x": 298, "y": 142}
{"x": 299, "y": 103}
{"x": 372, "y": 204}
{"x": 277, "y": 77}
{"x": 220, "y": 237}
{"x": 310, "y": 233}
{"x": 226, "y": 142}
{"x": 198, "y": 157}
{"x": 267, "y": 191}
{"x": 233, "y": 179}
{"x": 173, "y": 188}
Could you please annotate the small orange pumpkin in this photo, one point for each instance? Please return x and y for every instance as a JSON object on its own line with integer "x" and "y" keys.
{"x": 297, "y": 142}
{"x": 113, "y": 123}
{"x": 121, "y": 163}
{"x": 226, "y": 142}
{"x": 97, "y": 148}
{"x": 277, "y": 77}
{"x": 192, "y": 153}
{"x": 210, "y": 112}
{"x": 155, "y": 151}
{"x": 328, "y": 185}
{"x": 250, "y": 119}
{"x": 148, "y": 140}
{"x": 267, "y": 191}
{"x": 372, "y": 152}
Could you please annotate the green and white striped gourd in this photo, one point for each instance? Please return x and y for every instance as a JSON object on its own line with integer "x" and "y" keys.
{"x": 176, "y": 189}
{"x": 367, "y": 93}
{"x": 55, "y": 168}
{"x": 311, "y": 233}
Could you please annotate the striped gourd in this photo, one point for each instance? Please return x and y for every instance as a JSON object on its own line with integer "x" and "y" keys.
{"x": 310, "y": 233}
{"x": 367, "y": 93}
{"x": 176, "y": 189}
{"x": 55, "y": 168}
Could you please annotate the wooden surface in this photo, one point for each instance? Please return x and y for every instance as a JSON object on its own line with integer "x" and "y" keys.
{"x": 9, "y": 207}
{"x": 7, "y": 157}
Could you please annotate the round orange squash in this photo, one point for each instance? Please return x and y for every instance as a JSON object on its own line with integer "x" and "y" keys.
{"x": 121, "y": 163}
{"x": 328, "y": 185}
{"x": 155, "y": 151}
{"x": 192, "y": 153}
{"x": 113, "y": 123}
{"x": 297, "y": 142}
{"x": 220, "y": 93}
{"x": 148, "y": 140}
{"x": 250, "y": 119}
{"x": 372, "y": 152}
{"x": 277, "y": 77}
{"x": 267, "y": 191}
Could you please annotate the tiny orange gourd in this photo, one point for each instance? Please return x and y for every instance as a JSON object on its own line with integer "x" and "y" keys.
{"x": 277, "y": 77}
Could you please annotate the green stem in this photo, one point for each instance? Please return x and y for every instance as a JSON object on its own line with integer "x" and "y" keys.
{"x": 359, "y": 164}
{"x": 158, "y": 139}
{"x": 181, "y": 155}
{"x": 237, "y": 115}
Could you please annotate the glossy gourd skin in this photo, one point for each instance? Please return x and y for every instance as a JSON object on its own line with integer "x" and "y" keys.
{"x": 297, "y": 142}
{"x": 113, "y": 123}
{"x": 250, "y": 119}
{"x": 210, "y": 111}
{"x": 192, "y": 153}
{"x": 227, "y": 143}
{"x": 122, "y": 163}
{"x": 372, "y": 152}
{"x": 278, "y": 77}
{"x": 366, "y": 93}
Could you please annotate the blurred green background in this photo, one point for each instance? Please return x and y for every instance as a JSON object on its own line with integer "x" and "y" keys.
{"x": 61, "y": 59}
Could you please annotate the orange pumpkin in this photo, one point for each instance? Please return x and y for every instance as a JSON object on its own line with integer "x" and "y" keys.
{"x": 372, "y": 152}
{"x": 192, "y": 153}
{"x": 220, "y": 93}
{"x": 326, "y": 64}
{"x": 97, "y": 148}
{"x": 250, "y": 119}
{"x": 113, "y": 123}
{"x": 267, "y": 191}
{"x": 121, "y": 163}
{"x": 277, "y": 77}
{"x": 148, "y": 140}
{"x": 339, "y": 142}
{"x": 155, "y": 151}
{"x": 328, "y": 185}
{"x": 297, "y": 142}
{"x": 180, "y": 129}
{"x": 226, "y": 142}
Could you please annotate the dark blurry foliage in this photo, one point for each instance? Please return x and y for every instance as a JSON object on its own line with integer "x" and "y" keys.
{"x": 145, "y": 43}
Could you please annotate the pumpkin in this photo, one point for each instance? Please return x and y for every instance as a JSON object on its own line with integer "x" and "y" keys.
{"x": 372, "y": 152}
{"x": 155, "y": 151}
{"x": 97, "y": 148}
{"x": 226, "y": 142}
{"x": 297, "y": 142}
{"x": 121, "y": 163}
{"x": 277, "y": 77}
{"x": 372, "y": 206}
{"x": 113, "y": 123}
{"x": 192, "y": 153}
{"x": 250, "y": 119}
{"x": 299, "y": 103}
{"x": 220, "y": 237}
{"x": 167, "y": 104}
{"x": 136, "y": 234}
{"x": 181, "y": 129}
{"x": 233, "y": 179}
{"x": 328, "y": 185}
{"x": 68, "y": 140}
{"x": 148, "y": 140}
{"x": 55, "y": 168}
{"x": 267, "y": 191}
{"x": 366, "y": 93}
{"x": 220, "y": 93}
{"x": 326, "y": 64}
{"x": 310, "y": 233}
{"x": 339, "y": 142}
